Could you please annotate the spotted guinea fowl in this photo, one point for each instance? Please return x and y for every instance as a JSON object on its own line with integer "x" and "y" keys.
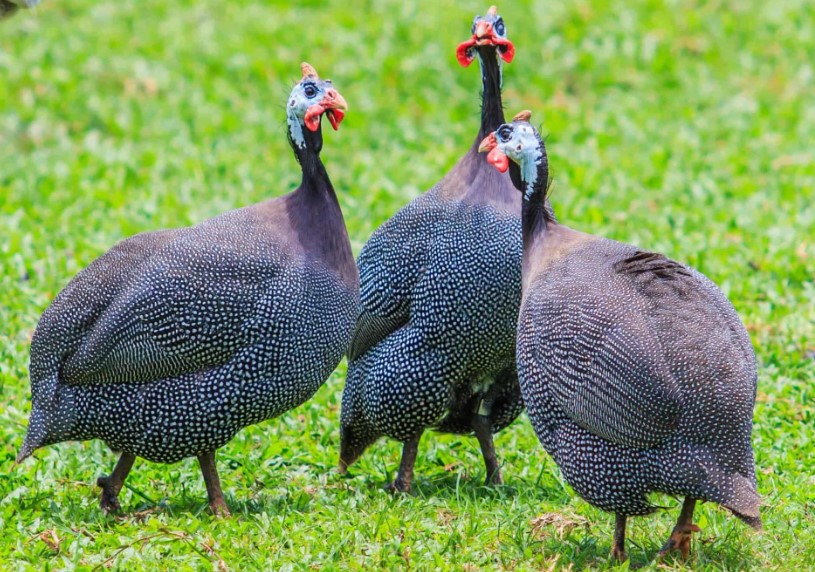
{"x": 440, "y": 288}
{"x": 171, "y": 342}
{"x": 636, "y": 371}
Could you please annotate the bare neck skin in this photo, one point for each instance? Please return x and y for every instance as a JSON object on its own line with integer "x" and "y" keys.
{"x": 313, "y": 209}
{"x": 544, "y": 239}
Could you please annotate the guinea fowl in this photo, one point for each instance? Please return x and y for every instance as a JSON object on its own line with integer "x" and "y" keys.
{"x": 171, "y": 342}
{"x": 637, "y": 374}
{"x": 440, "y": 287}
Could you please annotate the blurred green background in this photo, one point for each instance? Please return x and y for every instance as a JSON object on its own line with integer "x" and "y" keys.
{"x": 684, "y": 127}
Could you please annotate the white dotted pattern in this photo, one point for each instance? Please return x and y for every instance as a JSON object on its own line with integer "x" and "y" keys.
{"x": 174, "y": 340}
{"x": 440, "y": 289}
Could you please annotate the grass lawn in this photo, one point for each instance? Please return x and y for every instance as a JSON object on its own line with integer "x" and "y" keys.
{"x": 683, "y": 127}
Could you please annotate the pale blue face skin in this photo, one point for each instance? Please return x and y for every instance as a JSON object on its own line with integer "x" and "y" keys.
{"x": 309, "y": 92}
{"x": 520, "y": 142}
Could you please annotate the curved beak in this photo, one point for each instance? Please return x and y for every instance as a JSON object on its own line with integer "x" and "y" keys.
{"x": 495, "y": 157}
{"x": 333, "y": 100}
{"x": 488, "y": 143}
{"x": 333, "y": 105}
{"x": 483, "y": 33}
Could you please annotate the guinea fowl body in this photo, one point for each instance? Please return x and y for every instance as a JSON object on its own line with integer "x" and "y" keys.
{"x": 637, "y": 374}
{"x": 440, "y": 288}
{"x": 444, "y": 274}
{"x": 173, "y": 341}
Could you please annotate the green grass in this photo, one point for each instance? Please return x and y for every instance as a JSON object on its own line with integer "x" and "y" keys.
{"x": 682, "y": 127}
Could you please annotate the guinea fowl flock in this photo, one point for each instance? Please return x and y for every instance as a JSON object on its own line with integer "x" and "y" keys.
{"x": 468, "y": 305}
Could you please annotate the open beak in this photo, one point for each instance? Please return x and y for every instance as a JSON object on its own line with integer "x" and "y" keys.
{"x": 484, "y": 36}
{"x": 333, "y": 105}
{"x": 495, "y": 157}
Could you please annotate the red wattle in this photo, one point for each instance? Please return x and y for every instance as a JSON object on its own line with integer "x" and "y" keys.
{"x": 312, "y": 118}
{"x": 498, "y": 160}
{"x": 335, "y": 117}
{"x": 462, "y": 52}
{"x": 509, "y": 49}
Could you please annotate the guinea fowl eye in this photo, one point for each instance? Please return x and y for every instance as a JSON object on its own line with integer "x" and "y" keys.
{"x": 499, "y": 27}
{"x": 504, "y": 133}
{"x": 310, "y": 91}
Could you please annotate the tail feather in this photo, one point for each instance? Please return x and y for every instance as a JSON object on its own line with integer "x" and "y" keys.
{"x": 745, "y": 501}
{"x": 713, "y": 481}
{"x": 753, "y": 521}
{"x": 35, "y": 435}
{"x": 25, "y": 451}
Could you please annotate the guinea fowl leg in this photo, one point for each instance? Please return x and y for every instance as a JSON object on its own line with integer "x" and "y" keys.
{"x": 405, "y": 475}
{"x": 680, "y": 537}
{"x": 216, "y": 497}
{"x": 618, "y": 546}
{"x": 482, "y": 426}
{"x": 112, "y": 484}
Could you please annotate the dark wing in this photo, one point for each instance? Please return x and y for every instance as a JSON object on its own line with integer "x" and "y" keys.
{"x": 371, "y": 328}
{"x": 390, "y": 265}
{"x": 188, "y": 305}
{"x": 65, "y": 323}
{"x": 604, "y": 366}
{"x": 650, "y": 266}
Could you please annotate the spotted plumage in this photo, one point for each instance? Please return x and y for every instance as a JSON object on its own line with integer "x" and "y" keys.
{"x": 173, "y": 341}
{"x": 440, "y": 289}
{"x": 636, "y": 371}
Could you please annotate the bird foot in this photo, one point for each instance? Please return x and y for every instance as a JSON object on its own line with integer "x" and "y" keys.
{"x": 219, "y": 508}
{"x": 618, "y": 554}
{"x": 679, "y": 540}
{"x": 109, "y": 499}
{"x": 494, "y": 479}
{"x": 398, "y": 486}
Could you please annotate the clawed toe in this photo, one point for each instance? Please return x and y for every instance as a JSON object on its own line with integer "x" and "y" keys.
{"x": 679, "y": 540}
{"x": 397, "y": 487}
{"x": 219, "y": 508}
{"x": 109, "y": 501}
{"x": 618, "y": 554}
{"x": 494, "y": 479}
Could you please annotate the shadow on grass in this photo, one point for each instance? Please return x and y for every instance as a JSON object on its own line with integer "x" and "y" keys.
{"x": 446, "y": 486}
{"x": 585, "y": 548}
{"x": 77, "y": 511}
{"x": 452, "y": 486}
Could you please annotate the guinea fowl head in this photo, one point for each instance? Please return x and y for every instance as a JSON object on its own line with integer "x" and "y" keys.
{"x": 489, "y": 42}
{"x": 518, "y": 146}
{"x": 489, "y": 35}
{"x": 310, "y": 99}
{"x": 357, "y": 431}
{"x": 51, "y": 421}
